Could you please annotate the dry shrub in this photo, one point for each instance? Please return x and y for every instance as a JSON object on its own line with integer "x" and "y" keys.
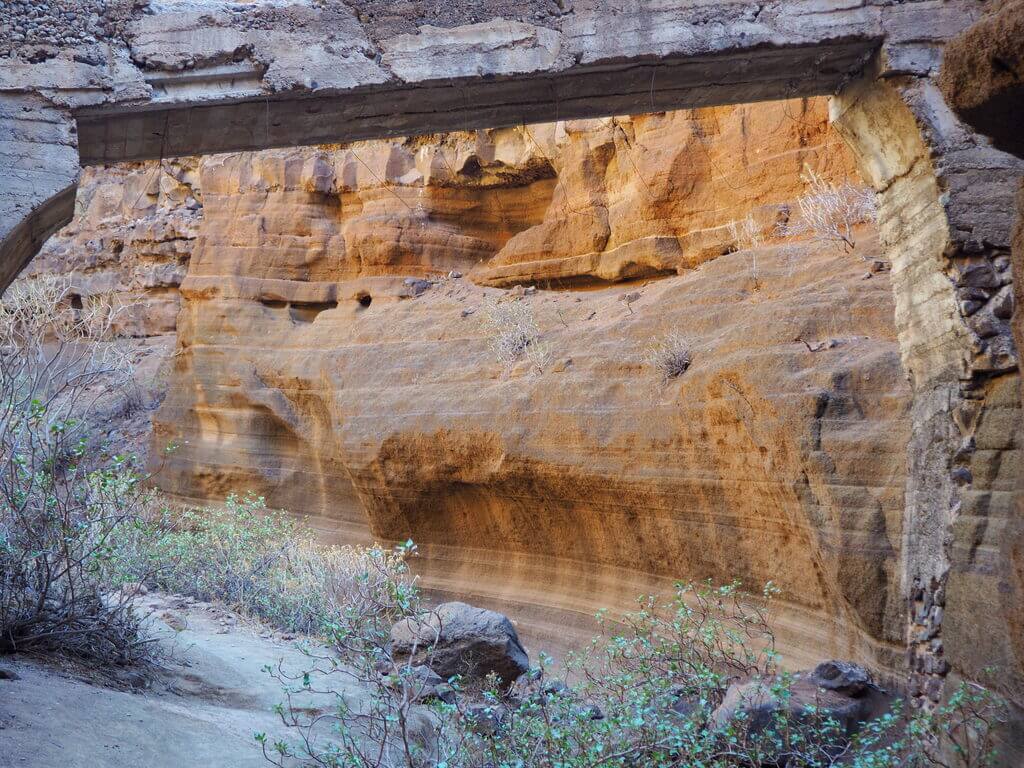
{"x": 60, "y": 504}
{"x": 260, "y": 562}
{"x": 828, "y": 212}
{"x": 513, "y": 334}
{"x": 669, "y": 355}
{"x": 746, "y": 233}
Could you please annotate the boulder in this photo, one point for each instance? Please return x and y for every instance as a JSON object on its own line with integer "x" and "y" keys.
{"x": 485, "y": 719}
{"x": 414, "y": 287}
{"x": 459, "y": 639}
{"x": 533, "y": 688}
{"x": 842, "y": 676}
{"x": 835, "y": 689}
{"x": 422, "y": 727}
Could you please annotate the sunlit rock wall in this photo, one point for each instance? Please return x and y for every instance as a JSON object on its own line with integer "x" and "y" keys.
{"x": 132, "y": 236}
{"x": 310, "y": 370}
{"x": 313, "y": 369}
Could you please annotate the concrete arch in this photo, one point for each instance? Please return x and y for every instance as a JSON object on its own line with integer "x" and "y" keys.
{"x": 38, "y": 177}
{"x": 957, "y": 567}
{"x": 25, "y": 239}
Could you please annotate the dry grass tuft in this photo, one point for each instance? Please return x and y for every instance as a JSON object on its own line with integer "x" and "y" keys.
{"x": 513, "y": 334}
{"x": 669, "y": 356}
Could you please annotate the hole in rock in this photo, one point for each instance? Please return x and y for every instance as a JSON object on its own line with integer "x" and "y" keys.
{"x": 472, "y": 168}
{"x": 999, "y": 65}
{"x": 307, "y": 312}
{"x": 76, "y": 301}
{"x": 365, "y": 300}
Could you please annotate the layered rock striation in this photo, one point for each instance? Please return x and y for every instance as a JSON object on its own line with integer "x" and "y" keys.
{"x": 983, "y": 81}
{"x": 335, "y": 352}
{"x": 173, "y": 79}
{"x": 334, "y": 355}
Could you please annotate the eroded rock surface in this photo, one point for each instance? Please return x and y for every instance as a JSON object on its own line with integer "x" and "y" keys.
{"x": 133, "y": 235}
{"x": 309, "y": 371}
{"x": 944, "y": 199}
{"x": 114, "y": 80}
{"x": 983, "y": 75}
{"x": 333, "y": 355}
{"x": 983, "y": 81}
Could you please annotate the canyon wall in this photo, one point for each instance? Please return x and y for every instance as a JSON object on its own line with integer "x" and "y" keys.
{"x": 131, "y": 236}
{"x": 982, "y": 79}
{"x": 160, "y": 82}
{"x": 333, "y": 354}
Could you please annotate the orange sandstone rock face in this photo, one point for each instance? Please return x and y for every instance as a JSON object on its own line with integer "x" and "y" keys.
{"x": 655, "y": 195}
{"x": 311, "y": 370}
{"x": 132, "y": 235}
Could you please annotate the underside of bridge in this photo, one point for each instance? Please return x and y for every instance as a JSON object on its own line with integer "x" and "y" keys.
{"x": 113, "y": 134}
{"x": 194, "y": 78}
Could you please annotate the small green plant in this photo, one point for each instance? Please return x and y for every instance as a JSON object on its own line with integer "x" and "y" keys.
{"x": 960, "y": 731}
{"x": 649, "y": 691}
{"x": 379, "y": 716}
{"x": 61, "y": 504}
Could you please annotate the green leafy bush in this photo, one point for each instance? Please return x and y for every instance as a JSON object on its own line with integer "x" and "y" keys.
{"x": 645, "y": 693}
{"x": 61, "y": 504}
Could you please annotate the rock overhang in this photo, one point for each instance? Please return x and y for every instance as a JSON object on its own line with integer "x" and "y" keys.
{"x": 127, "y": 80}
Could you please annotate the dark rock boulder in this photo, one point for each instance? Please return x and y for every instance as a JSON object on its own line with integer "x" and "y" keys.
{"x": 841, "y": 676}
{"x": 458, "y": 639}
{"x": 422, "y": 684}
{"x": 836, "y": 690}
{"x": 485, "y": 718}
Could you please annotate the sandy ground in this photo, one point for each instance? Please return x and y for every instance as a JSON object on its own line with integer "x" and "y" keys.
{"x": 201, "y": 709}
